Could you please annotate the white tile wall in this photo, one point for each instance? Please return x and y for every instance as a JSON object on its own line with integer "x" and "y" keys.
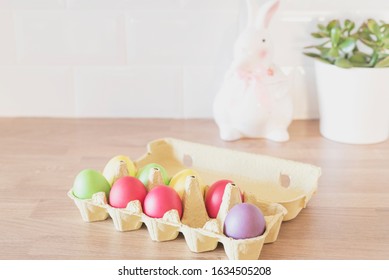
{"x": 200, "y": 86}
{"x": 124, "y": 4}
{"x": 7, "y": 38}
{"x": 216, "y": 5}
{"x": 40, "y": 37}
{"x": 32, "y": 4}
{"x": 72, "y": 38}
{"x": 36, "y": 91}
{"x": 98, "y": 58}
{"x": 131, "y": 91}
{"x": 177, "y": 38}
{"x": 151, "y": 5}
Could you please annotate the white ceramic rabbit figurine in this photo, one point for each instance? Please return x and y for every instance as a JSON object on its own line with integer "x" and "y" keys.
{"x": 254, "y": 101}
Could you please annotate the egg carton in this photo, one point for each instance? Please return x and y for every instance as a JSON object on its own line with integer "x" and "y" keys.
{"x": 201, "y": 233}
{"x": 260, "y": 178}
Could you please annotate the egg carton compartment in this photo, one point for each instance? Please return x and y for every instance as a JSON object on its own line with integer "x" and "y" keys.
{"x": 201, "y": 233}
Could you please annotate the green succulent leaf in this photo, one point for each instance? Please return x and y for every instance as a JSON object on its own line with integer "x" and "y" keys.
{"x": 342, "y": 62}
{"x": 332, "y": 24}
{"x": 383, "y": 63}
{"x": 348, "y": 45}
{"x": 333, "y": 53}
{"x": 385, "y": 41}
{"x": 383, "y": 28}
{"x": 374, "y": 59}
{"x": 319, "y": 35}
{"x": 369, "y": 43}
{"x": 363, "y": 35}
{"x": 359, "y": 57}
{"x": 365, "y": 65}
{"x": 335, "y": 35}
{"x": 324, "y": 54}
{"x": 373, "y": 27}
{"x": 322, "y": 49}
{"x": 322, "y": 28}
{"x": 364, "y": 32}
{"x": 317, "y": 46}
{"x": 349, "y": 25}
{"x": 312, "y": 54}
{"x": 318, "y": 57}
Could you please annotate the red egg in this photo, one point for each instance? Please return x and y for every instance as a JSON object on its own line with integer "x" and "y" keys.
{"x": 214, "y": 197}
{"x": 126, "y": 189}
{"x": 160, "y": 200}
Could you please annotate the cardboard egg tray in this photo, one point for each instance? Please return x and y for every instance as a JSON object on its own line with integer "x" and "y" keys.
{"x": 279, "y": 188}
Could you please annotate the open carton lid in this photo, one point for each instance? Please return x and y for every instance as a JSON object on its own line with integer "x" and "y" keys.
{"x": 271, "y": 179}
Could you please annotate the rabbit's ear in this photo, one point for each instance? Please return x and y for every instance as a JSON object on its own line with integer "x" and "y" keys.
{"x": 266, "y": 13}
{"x": 252, "y": 10}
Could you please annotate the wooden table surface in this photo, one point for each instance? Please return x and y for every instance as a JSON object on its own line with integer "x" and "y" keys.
{"x": 348, "y": 218}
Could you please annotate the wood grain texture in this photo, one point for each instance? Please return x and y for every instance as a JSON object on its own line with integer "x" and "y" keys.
{"x": 39, "y": 158}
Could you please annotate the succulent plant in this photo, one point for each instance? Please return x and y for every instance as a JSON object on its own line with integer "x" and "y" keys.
{"x": 342, "y": 46}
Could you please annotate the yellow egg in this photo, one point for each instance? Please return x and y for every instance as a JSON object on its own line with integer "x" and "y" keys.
{"x": 118, "y": 167}
{"x": 178, "y": 181}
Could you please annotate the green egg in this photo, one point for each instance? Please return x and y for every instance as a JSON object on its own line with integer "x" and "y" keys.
{"x": 89, "y": 182}
{"x": 144, "y": 173}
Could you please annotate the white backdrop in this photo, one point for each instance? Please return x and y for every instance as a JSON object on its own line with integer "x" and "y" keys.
{"x": 145, "y": 58}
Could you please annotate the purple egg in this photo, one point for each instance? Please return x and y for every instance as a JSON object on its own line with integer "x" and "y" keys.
{"x": 244, "y": 221}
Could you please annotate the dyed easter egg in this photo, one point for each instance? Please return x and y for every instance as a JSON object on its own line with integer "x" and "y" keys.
{"x": 118, "y": 167}
{"x": 214, "y": 196}
{"x": 126, "y": 189}
{"x": 144, "y": 173}
{"x": 243, "y": 221}
{"x": 160, "y": 200}
{"x": 89, "y": 182}
{"x": 179, "y": 180}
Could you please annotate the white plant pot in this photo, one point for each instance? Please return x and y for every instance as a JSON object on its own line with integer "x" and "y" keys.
{"x": 353, "y": 103}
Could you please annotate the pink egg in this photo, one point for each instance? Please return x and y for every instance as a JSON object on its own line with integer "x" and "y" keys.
{"x": 243, "y": 221}
{"x": 126, "y": 189}
{"x": 160, "y": 200}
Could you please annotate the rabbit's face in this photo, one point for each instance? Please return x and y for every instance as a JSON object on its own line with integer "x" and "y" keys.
{"x": 253, "y": 49}
{"x": 253, "y": 52}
